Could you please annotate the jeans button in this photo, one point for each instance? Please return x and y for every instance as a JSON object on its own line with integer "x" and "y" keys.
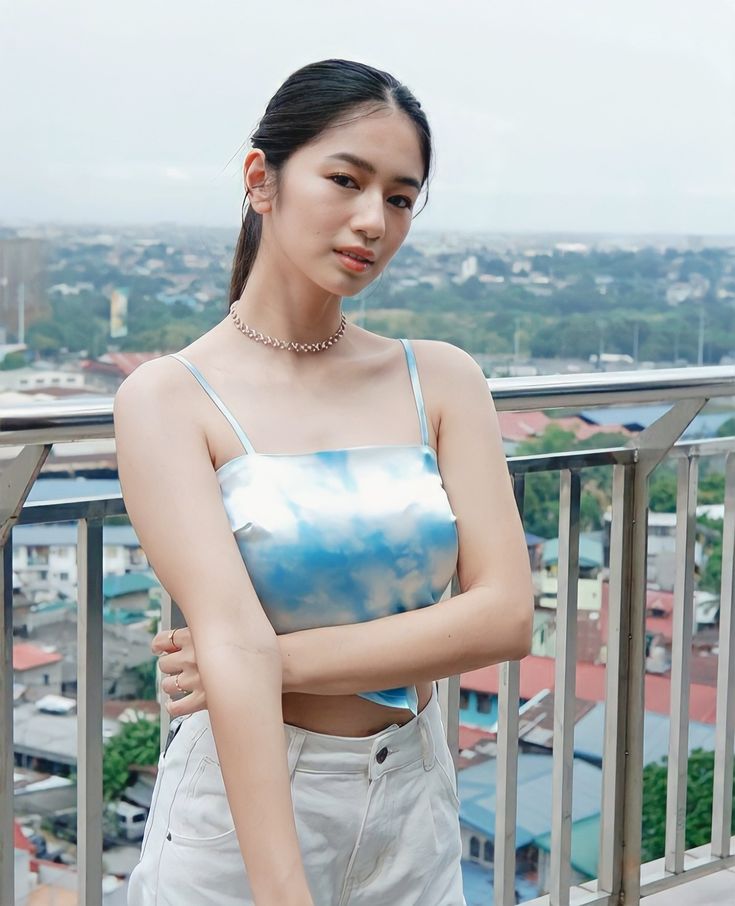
{"x": 382, "y": 755}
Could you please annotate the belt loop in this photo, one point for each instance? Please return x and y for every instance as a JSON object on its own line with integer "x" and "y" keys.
{"x": 427, "y": 743}
{"x": 295, "y": 744}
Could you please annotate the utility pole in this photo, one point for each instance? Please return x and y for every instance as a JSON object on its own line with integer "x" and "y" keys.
{"x": 635, "y": 341}
{"x": 21, "y": 312}
{"x": 700, "y": 346}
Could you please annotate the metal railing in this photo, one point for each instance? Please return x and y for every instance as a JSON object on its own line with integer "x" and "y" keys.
{"x": 622, "y": 879}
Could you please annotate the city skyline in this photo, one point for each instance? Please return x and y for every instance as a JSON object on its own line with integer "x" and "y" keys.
{"x": 623, "y": 122}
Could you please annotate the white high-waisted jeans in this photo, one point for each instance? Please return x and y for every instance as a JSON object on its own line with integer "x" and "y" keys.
{"x": 377, "y": 819}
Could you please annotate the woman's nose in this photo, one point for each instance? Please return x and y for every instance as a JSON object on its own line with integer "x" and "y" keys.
{"x": 369, "y": 217}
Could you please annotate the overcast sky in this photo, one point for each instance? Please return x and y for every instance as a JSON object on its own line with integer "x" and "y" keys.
{"x": 573, "y": 115}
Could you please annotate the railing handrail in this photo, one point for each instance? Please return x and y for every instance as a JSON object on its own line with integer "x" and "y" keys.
{"x": 90, "y": 418}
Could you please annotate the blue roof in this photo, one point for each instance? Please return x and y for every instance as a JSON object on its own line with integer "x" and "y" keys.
{"x": 532, "y": 539}
{"x": 477, "y": 884}
{"x": 637, "y": 417}
{"x": 117, "y": 616}
{"x": 706, "y": 424}
{"x": 115, "y": 585}
{"x": 630, "y": 416}
{"x": 589, "y": 734}
{"x": 590, "y": 550}
{"x": 66, "y": 488}
{"x": 477, "y": 792}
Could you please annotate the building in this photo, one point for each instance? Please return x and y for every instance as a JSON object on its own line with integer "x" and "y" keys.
{"x": 30, "y": 379}
{"x": 37, "y": 669}
{"x": 22, "y": 286}
{"x": 45, "y": 557}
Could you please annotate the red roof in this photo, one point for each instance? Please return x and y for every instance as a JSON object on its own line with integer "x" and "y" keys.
{"x": 518, "y": 426}
{"x": 119, "y": 363}
{"x": 26, "y": 656}
{"x": 582, "y": 429}
{"x": 470, "y": 736}
{"x": 537, "y": 673}
{"x": 656, "y": 599}
{"x": 20, "y": 841}
{"x": 522, "y": 425}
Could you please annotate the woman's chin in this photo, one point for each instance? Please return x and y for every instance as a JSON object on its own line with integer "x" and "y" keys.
{"x": 343, "y": 288}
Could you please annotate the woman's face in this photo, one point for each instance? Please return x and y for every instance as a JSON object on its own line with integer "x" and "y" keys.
{"x": 345, "y": 201}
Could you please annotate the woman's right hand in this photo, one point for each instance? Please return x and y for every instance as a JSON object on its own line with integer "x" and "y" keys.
{"x": 178, "y": 660}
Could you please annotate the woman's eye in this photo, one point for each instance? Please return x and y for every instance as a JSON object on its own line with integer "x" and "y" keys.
{"x": 401, "y": 201}
{"x": 342, "y": 180}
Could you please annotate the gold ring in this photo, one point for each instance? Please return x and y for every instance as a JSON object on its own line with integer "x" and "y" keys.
{"x": 176, "y": 683}
{"x": 171, "y": 638}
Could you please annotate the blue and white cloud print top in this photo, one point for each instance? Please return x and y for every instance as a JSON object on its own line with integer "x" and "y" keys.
{"x": 341, "y": 536}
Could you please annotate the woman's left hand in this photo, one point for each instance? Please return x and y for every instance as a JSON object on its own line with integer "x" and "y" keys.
{"x": 178, "y": 661}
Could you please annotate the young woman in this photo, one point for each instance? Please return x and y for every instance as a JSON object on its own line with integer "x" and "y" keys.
{"x": 304, "y": 489}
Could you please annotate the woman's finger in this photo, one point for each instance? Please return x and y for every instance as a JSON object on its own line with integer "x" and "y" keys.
{"x": 187, "y": 704}
{"x": 161, "y": 642}
{"x": 168, "y": 684}
{"x": 173, "y": 663}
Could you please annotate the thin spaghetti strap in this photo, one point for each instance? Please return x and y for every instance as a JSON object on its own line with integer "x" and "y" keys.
{"x": 242, "y": 436}
{"x": 416, "y": 385}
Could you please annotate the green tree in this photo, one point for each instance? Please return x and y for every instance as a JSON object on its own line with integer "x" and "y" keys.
{"x": 727, "y": 429}
{"x": 711, "y": 577}
{"x": 13, "y": 360}
{"x": 662, "y": 490}
{"x": 138, "y": 742}
{"x": 541, "y": 504}
{"x": 700, "y": 772}
{"x": 145, "y": 677}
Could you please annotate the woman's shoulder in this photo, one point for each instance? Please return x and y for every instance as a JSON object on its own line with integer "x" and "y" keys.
{"x": 161, "y": 376}
{"x": 434, "y": 357}
{"x": 160, "y": 387}
{"x": 153, "y": 379}
{"x": 445, "y": 364}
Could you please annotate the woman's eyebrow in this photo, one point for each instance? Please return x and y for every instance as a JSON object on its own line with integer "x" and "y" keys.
{"x": 365, "y": 165}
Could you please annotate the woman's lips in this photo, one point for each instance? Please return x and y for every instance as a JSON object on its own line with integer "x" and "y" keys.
{"x": 353, "y": 264}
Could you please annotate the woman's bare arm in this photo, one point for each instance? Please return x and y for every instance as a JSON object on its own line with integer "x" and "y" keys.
{"x": 174, "y": 502}
{"x": 488, "y": 622}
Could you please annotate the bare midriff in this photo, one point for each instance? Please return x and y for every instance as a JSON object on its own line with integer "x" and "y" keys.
{"x": 346, "y": 715}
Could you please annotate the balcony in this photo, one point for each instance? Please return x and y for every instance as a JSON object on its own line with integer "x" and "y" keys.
{"x": 703, "y": 875}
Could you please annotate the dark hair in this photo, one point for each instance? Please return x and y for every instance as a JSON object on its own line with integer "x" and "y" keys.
{"x": 308, "y": 102}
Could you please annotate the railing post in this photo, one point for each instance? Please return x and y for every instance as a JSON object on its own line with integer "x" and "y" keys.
{"x": 616, "y": 687}
{"x": 565, "y": 688}
{"x": 7, "y": 786}
{"x": 681, "y": 651}
{"x": 90, "y": 696}
{"x": 506, "y": 774}
{"x": 725, "y": 729}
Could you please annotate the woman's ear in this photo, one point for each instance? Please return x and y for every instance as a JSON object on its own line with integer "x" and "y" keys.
{"x": 257, "y": 183}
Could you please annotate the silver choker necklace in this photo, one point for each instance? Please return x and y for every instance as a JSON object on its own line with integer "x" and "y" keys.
{"x": 290, "y": 345}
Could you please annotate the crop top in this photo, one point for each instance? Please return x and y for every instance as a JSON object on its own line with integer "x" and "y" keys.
{"x": 341, "y": 536}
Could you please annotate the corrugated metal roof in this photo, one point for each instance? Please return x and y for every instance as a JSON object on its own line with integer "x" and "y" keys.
{"x": 477, "y": 791}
